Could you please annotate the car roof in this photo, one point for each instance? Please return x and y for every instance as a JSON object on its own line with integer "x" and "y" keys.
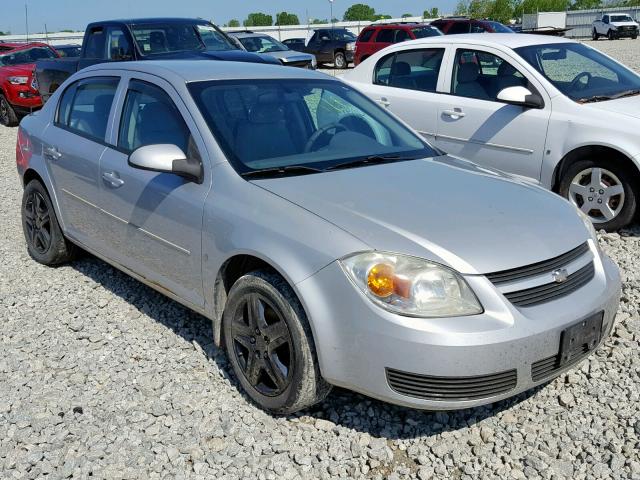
{"x": 399, "y": 25}
{"x": 151, "y": 21}
{"x": 248, "y": 35}
{"x": 9, "y": 47}
{"x": 202, "y": 70}
{"x": 510, "y": 40}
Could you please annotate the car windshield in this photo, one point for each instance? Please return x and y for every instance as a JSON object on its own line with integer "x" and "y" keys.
{"x": 621, "y": 18}
{"x": 499, "y": 28}
{"x": 580, "y": 72}
{"x": 262, "y": 44}
{"x": 27, "y": 55}
{"x": 153, "y": 39}
{"x": 423, "y": 32}
{"x": 72, "y": 51}
{"x": 301, "y": 126}
{"x": 343, "y": 35}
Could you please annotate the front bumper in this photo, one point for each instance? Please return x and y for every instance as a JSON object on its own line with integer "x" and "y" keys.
{"x": 24, "y": 99}
{"x": 625, "y": 33}
{"x": 358, "y": 343}
{"x": 349, "y": 54}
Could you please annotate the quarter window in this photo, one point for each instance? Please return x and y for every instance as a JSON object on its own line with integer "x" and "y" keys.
{"x": 85, "y": 106}
{"x": 410, "y": 69}
{"x": 385, "y": 36}
{"x": 150, "y": 117}
{"x": 402, "y": 36}
{"x": 366, "y": 35}
{"x": 458, "y": 27}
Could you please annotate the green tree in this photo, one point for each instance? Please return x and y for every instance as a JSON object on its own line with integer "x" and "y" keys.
{"x": 585, "y": 4}
{"x": 285, "y": 18}
{"x": 433, "y": 13}
{"x": 380, "y": 16}
{"x": 319, "y": 21}
{"x": 407, "y": 15}
{"x": 533, "y": 6}
{"x": 462, "y": 7}
{"x": 258, "y": 20}
{"x": 234, "y": 23}
{"x": 500, "y": 10}
{"x": 359, "y": 12}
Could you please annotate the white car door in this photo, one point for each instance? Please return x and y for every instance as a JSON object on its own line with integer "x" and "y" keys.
{"x": 472, "y": 124}
{"x": 405, "y": 82}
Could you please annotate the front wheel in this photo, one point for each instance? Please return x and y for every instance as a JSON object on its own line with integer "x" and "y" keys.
{"x": 594, "y": 34}
{"x": 611, "y": 35}
{"x": 605, "y": 193}
{"x": 340, "y": 60}
{"x": 8, "y": 116}
{"x": 45, "y": 242}
{"x": 269, "y": 344}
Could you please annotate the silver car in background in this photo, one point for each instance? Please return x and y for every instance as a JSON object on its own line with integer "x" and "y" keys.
{"x": 326, "y": 241}
{"x": 267, "y": 45}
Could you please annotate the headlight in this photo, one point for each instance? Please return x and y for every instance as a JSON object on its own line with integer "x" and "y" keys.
{"x": 410, "y": 285}
{"x": 18, "y": 80}
{"x": 351, "y": 46}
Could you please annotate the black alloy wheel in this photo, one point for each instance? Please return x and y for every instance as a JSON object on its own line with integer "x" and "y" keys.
{"x": 37, "y": 221}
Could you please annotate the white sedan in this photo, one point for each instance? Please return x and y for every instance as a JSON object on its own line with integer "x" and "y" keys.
{"x": 550, "y": 109}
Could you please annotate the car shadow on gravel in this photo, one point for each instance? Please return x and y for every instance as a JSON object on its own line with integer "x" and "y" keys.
{"x": 342, "y": 407}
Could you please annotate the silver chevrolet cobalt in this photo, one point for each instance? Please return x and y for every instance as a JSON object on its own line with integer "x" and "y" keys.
{"x": 326, "y": 241}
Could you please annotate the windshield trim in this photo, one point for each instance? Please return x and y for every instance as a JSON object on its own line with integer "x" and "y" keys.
{"x": 428, "y": 151}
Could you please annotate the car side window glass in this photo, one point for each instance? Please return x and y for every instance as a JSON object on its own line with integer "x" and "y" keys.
{"x": 85, "y": 106}
{"x": 483, "y": 75}
{"x": 411, "y": 69}
{"x": 401, "y": 36}
{"x": 478, "y": 28}
{"x": 385, "y": 36}
{"x": 95, "y": 43}
{"x": 458, "y": 27}
{"x": 366, "y": 35}
{"x": 150, "y": 117}
{"x": 118, "y": 46}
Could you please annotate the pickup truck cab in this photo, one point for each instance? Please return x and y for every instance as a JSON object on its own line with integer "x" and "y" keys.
{"x": 17, "y": 93}
{"x": 614, "y": 26}
{"x": 330, "y": 45}
{"x": 144, "y": 39}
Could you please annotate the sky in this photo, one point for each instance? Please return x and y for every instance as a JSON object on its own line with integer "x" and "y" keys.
{"x": 75, "y": 14}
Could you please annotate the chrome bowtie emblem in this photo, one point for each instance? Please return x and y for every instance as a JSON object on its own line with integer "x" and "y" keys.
{"x": 560, "y": 275}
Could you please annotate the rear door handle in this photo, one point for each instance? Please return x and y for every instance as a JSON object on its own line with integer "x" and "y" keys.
{"x": 52, "y": 153}
{"x": 455, "y": 114}
{"x": 384, "y": 101}
{"x": 113, "y": 179}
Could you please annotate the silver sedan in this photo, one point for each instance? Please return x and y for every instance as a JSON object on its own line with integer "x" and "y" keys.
{"x": 326, "y": 241}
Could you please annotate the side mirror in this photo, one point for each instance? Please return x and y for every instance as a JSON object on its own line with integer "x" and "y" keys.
{"x": 520, "y": 96}
{"x": 167, "y": 158}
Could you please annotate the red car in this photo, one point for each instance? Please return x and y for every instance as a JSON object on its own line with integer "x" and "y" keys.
{"x": 454, "y": 25}
{"x": 376, "y": 37}
{"x": 18, "y": 94}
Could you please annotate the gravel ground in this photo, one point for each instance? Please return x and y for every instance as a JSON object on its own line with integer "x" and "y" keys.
{"x": 102, "y": 377}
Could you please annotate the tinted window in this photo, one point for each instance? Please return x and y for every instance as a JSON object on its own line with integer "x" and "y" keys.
{"x": 266, "y": 124}
{"x": 483, "y": 75}
{"x": 385, "y": 36}
{"x": 458, "y": 27}
{"x": 401, "y": 36}
{"x": 343, "y": 35}
{"x": 262, "y": 44}
{"x": 477, "y": 28}
{"x": 85, "y": 106}
{"x": 499, "y": 28}
{"x": 366, "y": 35}
{"x": 423, "y": 32}
{"x": 411, "y": 69}
{"x": 28, "y": 55}
{"x": 150, "y": 117}
{"x": 119, "y": 47}
{"x": 95, "y": 43}
{"x": 176, "y": 37}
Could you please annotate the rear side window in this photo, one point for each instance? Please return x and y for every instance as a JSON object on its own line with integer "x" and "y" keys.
{"x": 150, "y": 117}
{"x": 119, "y": 45}
{"x": 410, "y": 69}
{"x": 401, "y": 36}
{"x": 385, "y": 36}
{"x": 95, "y": 47}
{"x": 366, "y": 35}
{"x": 85, "y": 106}
{"x": 458, "y": 27}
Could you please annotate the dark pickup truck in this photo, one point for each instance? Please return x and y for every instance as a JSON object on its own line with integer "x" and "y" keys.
{"x": 144, "y": 39}
{"x": 329, "y": 45}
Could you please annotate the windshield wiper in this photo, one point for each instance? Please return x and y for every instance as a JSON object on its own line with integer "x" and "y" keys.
{"x": 371, "y": 160}
{"x": 601, "y": 98}
{"x": 281, "y": 171}
{"x": 626, "y": 93}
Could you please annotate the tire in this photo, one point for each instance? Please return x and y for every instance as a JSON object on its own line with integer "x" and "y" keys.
{"x": 633, "y": 37}
{"x": 45, "y": 242}
{"x": 611, "y": 35}
{"x": 576, "y": 186}
{"x": 8, "y": 116}
{"x": 249, "y": 340}
{"x": 594, "y": 34}
{"x": 340, "y": 60}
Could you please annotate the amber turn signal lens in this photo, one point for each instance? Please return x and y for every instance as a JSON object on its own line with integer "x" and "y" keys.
{"x": 380, "y": 280}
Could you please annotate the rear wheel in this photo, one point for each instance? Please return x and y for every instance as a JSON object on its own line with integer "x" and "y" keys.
{"x": 340, "y": 60}
{"x": 603, "y": 191}
{"x": 45, "y": 242}
{"x": 594, "y": 34}
{"x": 8, "y": 116}
{"x": 269, "y": 343}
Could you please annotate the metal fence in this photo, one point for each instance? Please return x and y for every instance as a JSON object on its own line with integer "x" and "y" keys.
{"x": 579, "y": 21}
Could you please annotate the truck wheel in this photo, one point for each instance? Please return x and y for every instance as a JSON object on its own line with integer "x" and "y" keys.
{"x": 604, "y": 191}
{"x": 594, "y": 35}
{"x": 339, "y": 60}
{"x": 611, "y": 35}
{"x": 633, "y": 37}
{"x": 8, "y": 116}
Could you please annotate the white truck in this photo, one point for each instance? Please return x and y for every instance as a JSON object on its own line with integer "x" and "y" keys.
{"x": 614, "y": 26}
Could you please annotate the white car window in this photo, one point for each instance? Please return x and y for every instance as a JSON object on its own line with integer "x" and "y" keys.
{"x": 410, "y": 69}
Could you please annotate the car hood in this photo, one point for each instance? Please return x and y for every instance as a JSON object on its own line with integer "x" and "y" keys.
{"x": 24, "y": 69}
{"x": 624, "y": 24}
{"x": 629, "y": 106}
{"x": 444, "y": 209}
{"x": 224, "y": 55}
{"x": 291, "y": 56}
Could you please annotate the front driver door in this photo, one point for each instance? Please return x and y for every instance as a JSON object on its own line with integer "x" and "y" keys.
{"x": 155, "y": 219}
{"x": 473, "y": 124}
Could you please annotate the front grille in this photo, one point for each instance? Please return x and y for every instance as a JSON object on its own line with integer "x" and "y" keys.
{"x": 546, "y": 266}
{"x": 428, "y": 387}
{"x": 299, "y": 63}
{"x": 549, "y": 291}
{"x": 549, "y": 366}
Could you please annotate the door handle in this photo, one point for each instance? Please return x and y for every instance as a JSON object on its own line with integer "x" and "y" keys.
{"x": 455, "y": 114}
{"x": 384, "y": 101}
{"x": 112, "y": 179}
{"x": 52, "y": 153}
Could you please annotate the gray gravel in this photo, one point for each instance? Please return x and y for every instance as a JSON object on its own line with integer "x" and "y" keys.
{"x": 102, "y": 377}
